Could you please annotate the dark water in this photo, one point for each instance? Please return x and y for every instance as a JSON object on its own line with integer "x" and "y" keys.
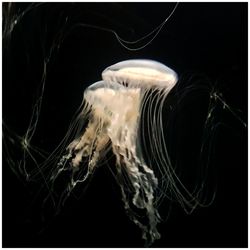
{"x": 54, "y": 42}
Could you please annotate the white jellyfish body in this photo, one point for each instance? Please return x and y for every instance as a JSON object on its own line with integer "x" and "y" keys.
{"x": 115, "y": 106}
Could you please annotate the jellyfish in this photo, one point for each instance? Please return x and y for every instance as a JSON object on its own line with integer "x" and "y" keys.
{"x": 123, "y": 115}
{"x": 114, "y": 109}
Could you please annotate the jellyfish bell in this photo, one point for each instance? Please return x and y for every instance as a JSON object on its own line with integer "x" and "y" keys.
{"x": 107, "y": 99}
{"x": 141, "y": 74}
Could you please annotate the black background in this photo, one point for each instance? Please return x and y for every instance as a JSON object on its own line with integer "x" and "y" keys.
{"x": 207, "y": 38}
